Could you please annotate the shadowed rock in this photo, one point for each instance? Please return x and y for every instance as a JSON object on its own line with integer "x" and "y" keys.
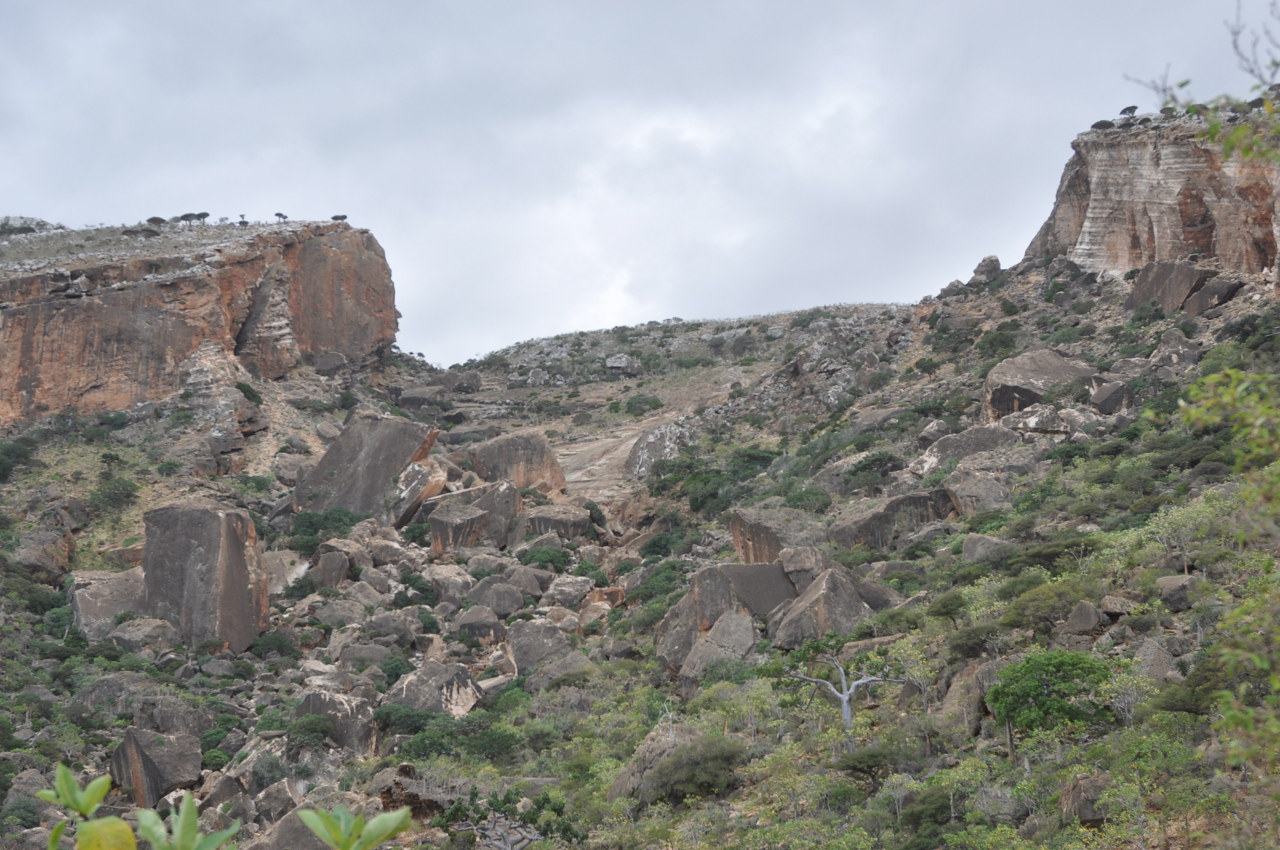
{"x": 1022, "y": 381}
{"x": 885, "y": 522}
{"x": 97, "y": 598}
{"x": 152, "y": 764}
{"x": 201, "y": 573}
{"x": 760, "y": 534}
{"x": 443, "y": 688}
{"x": 525, "y": 459}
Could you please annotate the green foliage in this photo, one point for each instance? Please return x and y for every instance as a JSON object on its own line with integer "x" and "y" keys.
{"x": 419, "y": 533}
{"x": 699, "y": 768}
{"x": 639, "y": 405}
{"x": 1050, "y": 688}
{"x": 593, "y": 572}
{"x": 14, "y": 453}
{"x": 665, "y": 578}
{"x": 184, "y": 829}
{"x": 1041, "y": 607}
{"x": 395, "y": 667}
{"x": 343, "y": 830}
{"x": 112, "y": 495}
{"x": 265, "y": 644}
{"x": 309, "y": 732}
{"x": 546, "y": 557}
{"x": 809, "y": 499}
{"x": 249, "y": 392}
{"x": 310, "y": 529}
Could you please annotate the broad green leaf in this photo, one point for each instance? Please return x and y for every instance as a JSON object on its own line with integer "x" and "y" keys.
{"x": 56, "y": 835}
{"x": 324, "y": 825}
{"x": 65, "y": 784}
{"x": 94, "y": 793}
{"x": 382, "y": 827}
{"x": 105, "y": 834}
{"x": 152, "y": 830}
{"x": 217, "y": 839}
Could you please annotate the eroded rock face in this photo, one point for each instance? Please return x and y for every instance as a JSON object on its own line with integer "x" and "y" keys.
{"x": 525, "y": 459}
{"x": 153, "y": 764}
{"x": 378, "y": 466}
{"x": 201, "y": 572}
{"x": 1130, "y": 197}
{"x": 1022, "y": 381}
{"x": 106, "y": 335}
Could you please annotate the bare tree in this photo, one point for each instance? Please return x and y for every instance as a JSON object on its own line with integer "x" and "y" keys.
{"x": 851, "y": 681}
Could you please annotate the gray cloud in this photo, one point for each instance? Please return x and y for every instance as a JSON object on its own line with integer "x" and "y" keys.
{"x": 539, "y": 168}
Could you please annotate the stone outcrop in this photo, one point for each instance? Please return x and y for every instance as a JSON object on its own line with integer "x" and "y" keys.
{"x": 1129, "y": 197}
{"x": 106, "y": 334}
{"x": 201, "y": 572}
{"x": 760, "y": 534}
{"x": 98, "y": 597}
{"x": 378, "y": 466}
{"x": 883, "y": 524}
{"x": 1022, "y": 381}
{"x": 525, "y": 459}
{"x": 153, "y": 764}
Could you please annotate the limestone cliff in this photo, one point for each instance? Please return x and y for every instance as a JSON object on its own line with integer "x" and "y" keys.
{"x": 104, "y": 331}
{"x": 1160, "y": 191}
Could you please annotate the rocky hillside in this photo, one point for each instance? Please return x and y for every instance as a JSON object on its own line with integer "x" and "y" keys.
{"x": 956, "y": 574}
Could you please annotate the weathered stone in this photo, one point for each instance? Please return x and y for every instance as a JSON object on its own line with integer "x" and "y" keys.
{"x": 450, "y": 581}
{"x": 443, "y": 688}
{"x": 661, "y": 742}
{"x": 45, "y": 554}
{"x": 1024, "y": 380}
{"x": 1167, "y": 284}
{"x": 1128, "y": 199}
{"x": 201, "y": 573}
{"x": 831, "y": 605}
{"x": 402, "y": 625}
{"x": 1175, "y": 591}
{"x": 357, "y": 656}
{"x": 329, "y": 569}
{"x": 1084, "y": 619}
{"x": 495, "y": 593}
{"x": 568, "y": 521}
{"x": 982, "y": 547}
{"x": 480, "y": 623}
{"x": 932, "y": 432}
{"x": 760, "y": 534}
{"x": 986, "y": 271}
{"x": 1111, "y": 397}
{"x": 731, "y": 638}
{"x": 525, "y": 459}
{"x": 97, "y": 598}
{"x": 1116, "y": 606}
{"x": 337, "y": 613}
{"x": 529, "y": 580}
{"x": 1214, "y": 293}
{"x": 567, "y": 591}
{"x": 1079, "y": 800}
{"x": 1175, "y": 353}
{"x": 455, "y": 525}
{"x": 534, "y": 642}
{"x": 378, "y": 466}
{"x": 881, "y": 524}
{"x": 1154, "y": 661}
{"x": 153, "y": 764}
{"x": 266, "y": 299}
{"x": 353, "y": 726}
{"x": 571, "y": 667}
{"x": 1036, "y": 421}
{"x": 289, "y": 831}
{"x": 145, "y": 632}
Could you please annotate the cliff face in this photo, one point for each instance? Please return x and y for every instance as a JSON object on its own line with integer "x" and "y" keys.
{"x": 1145, "y": 193}
{"x": 117, "y": 330}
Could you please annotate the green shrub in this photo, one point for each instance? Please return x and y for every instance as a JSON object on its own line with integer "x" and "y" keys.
{"x": 699, "y": 768}
{"x": 249, "y": 392}
{"x": 22, "y": 813}
{"x": 665, "y": 578}
{"x": 270, "y": 642}
{"x": 112, "y": 495}
{"x": 14, "y": 453}
{"x": 547, "y": 557}
{"x": 310, "y": 529}
{"x": 309, "y": 732}
{"x": 215, "y": 759}
{"x": 395, "y": 667}
{"x": 971, "y": 642}
{"x": 639, "y": 405}
{"x": 809, "y": 499}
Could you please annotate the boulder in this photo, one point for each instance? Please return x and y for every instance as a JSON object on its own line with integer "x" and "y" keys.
{"x": 376, "y": 467}
{"x": 152, "y": 764}
{"x": 831, "y": 605}
{"x": 535, "y": 642}
{"x": 480, "y": 623}
{"x": 883, "y": 523}
{"x": 568, "y": 521}
{"x": 1175, "y": 591}
{"x": 571, "y": 667}
{"x": 760, "y": 534}
{"x": 45, "y": 554}
{"x": 1024, "y": 380}
{"x": 1079, "y": 800}
{"x": 443, "y": 688}
{"x": 1214, "y": 293}
{"x": 1153, "y": 660}
{"x": 1084, "y": 619}
{"x": 97, "y": 598}
{"x": 455, "y": 525}
{"x": 145, "y": 633}
{"x": 1167, "y": 284}
{"x": 567, "y": 591}
{"x": 1111, "y": 397}
{"x": 495, "y": 593}
{"x": 450, "y": 581}
{"x": 951, "y": 448}
{"x": 731, "y": 638}
{"x": 982, "y": 547}
{"x": 352, "y": 716}
{"x": 201, "y": 573}
{"x": 661, "y": 742}
{"x": 1174, "y": 355}
{"x": 525, "y": 459}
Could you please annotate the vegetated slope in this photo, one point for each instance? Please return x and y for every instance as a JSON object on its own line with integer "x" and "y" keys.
{"x": 980, "y": 520}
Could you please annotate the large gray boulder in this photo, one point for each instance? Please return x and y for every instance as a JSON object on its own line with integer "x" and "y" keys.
{"x": 953, "y": 447}
{"x": 885, "y": 523}
{"x": 496, "y": 593}
{"x": 1168, "y": 284}
{"x": 378, "y": 466}
{"x": 455, "y": 525}
{"x": 525, "y": 459}
{"x": 731, "y": 638}
{"x": 201, "y": 572}
{"x": 145, "y": 633}
{"x": 443, "y": 688}
{"x": 97, "y": 598}
{"x": 1024, "y": 380}
{"x": 352, "y": 716}
{"x": 567, "y": 521}
{"x": 760, "y": 534}
{"x": 535, "y": 642}
{"x": 152, "y": 764}
{"x": 831, "y": 605}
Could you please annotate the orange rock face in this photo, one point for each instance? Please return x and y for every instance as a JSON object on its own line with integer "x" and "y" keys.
{"x": 1133, "y": 196}
{"x": 108, "y": 335}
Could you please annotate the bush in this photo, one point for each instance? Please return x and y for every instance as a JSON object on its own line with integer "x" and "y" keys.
{"x": 395, "y": 667}
{"x": 547, "y": 557}
{"x": 22, "y": 813}
{"x": 971, "y": 642}
{"x": 310, "y": 529}
{"x": 14, "y": 453}
{"x": 270, "y": 642}
{"x": 697, "y": 769}
{"x": 309, "y": 732}
{"x": 664, "y": 579}
{"x": 249, "y": 392}
{"x": 112, "y": 495}
{"x": 215, "y": 759}
{"x": 809, "y": 499}
{"x": 639, "y": 405}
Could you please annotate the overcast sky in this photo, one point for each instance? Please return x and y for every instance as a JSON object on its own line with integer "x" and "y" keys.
{"x": 533, "y": 168}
